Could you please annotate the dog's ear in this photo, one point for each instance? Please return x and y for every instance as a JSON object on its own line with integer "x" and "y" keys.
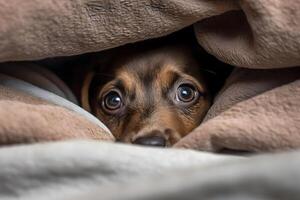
{"x": 85, "y": 90}
{"x": 95, "y": 73}
{"x": 84, "y": 74}
{"x": 81, "y": 76}
{"x": 92, "y": 80}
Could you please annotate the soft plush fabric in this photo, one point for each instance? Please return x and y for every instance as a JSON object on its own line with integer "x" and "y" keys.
{"x": 257, "y": 110}
{"x": 25, "y": 119}
{"x": 261, "y": 34}
{"x": 30, "y": 114}
{"x": 40, "y": 77}
{"x": 98, "y": 170}
{"x": 247, "y": 33}
{"x": 268, "y": 122}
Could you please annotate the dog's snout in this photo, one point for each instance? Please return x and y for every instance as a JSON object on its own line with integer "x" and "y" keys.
{"x": 158, "y": 141}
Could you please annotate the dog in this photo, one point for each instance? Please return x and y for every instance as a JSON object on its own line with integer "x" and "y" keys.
{"x": 147, "y": 96}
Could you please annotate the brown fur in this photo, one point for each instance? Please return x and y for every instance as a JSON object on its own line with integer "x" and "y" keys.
{"x": 148, "y": 80}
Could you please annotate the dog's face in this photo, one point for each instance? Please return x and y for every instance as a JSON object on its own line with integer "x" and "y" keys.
{"x": 151, "y": 98}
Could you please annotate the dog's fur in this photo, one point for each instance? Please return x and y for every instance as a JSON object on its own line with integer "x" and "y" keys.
{"x": 147, "y": 79}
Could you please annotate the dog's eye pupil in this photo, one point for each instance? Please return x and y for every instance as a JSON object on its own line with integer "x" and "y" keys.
{"x": 112, "y": 100}
{"x": 186, "y": 93}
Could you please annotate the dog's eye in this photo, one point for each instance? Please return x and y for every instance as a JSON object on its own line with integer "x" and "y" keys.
{"x": 112, "y": 101}
{"x": 186, "y": 93}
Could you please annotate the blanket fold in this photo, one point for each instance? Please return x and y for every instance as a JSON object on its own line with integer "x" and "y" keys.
{"x": 267, "y": 122}
{"x": 251, "y": 33}
{"x": 31, "y": 114}
{"x": 256, "y": 111}
{"x": 95, "y": 170}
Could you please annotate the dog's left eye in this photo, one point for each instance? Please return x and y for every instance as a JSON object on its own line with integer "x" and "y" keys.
{"x": 112, "y": 101}
{"x": 186, "y": 93}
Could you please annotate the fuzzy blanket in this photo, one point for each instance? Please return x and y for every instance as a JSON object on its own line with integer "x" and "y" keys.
{"x": 257, "y": 110}
{"x": 36, "y": 108}
{"x": 95, "y": 170}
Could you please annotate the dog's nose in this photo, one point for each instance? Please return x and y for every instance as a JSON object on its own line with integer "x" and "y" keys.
{"x": 151, "y": 141}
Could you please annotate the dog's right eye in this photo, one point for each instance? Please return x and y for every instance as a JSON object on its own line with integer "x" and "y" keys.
{"x": 112, "y": 101}
{"x": 186, "y": 93}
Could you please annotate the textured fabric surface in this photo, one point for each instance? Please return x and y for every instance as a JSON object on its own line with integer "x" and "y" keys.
{"x": 257, "y": 110}
{"x": 29, "y": 114}
{"x": 268, "y": 122}
{"x": 95, "y": 170}
{"x": 25, "y": 119}
{"x": 260, "y": 34}
{"x": 248, "y": 33}
{"x": 38, "y": 76}
{"x": 244, "y": 84}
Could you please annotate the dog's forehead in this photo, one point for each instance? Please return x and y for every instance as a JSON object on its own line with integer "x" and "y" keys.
{"x": 150, "y": 67}
{"x": 143, "y": 77}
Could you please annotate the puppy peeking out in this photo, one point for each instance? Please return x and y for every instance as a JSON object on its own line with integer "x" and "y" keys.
{"x": 148, "y": 96}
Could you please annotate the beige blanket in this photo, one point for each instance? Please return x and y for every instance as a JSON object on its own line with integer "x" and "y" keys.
{"x": 36, "y": 106}
{"x": 25, "y": 119}
{"x": 260, "y": 113}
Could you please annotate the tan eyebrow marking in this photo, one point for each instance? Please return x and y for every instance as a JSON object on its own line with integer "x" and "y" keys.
{"x": 167, "y": 77}
{"x": 126, "y": 78}
{"x": 131, "y": 82}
